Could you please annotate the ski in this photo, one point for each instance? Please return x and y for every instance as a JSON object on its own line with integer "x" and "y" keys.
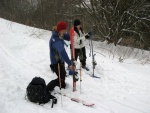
{"x": 83, "y": 102}
{"x": 93, "y": 55}
{"x": 91, "y": 75}
{"x": 73, "y": 57}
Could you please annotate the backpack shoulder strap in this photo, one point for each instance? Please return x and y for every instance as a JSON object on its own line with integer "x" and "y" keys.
{"x": 54, "y": 100}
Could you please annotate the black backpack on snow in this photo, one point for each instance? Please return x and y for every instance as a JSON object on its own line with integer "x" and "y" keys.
{"x": 37, "y": 92}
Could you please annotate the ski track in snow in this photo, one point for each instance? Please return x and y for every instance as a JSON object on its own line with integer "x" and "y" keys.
{"x": 24, "y": 54}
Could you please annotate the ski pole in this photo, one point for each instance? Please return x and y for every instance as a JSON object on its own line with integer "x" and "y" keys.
{"x": 93, "y": 55}
{"x": 80, "y": 76}
{"x": 91, "y": 51}
{"x": 60, "y": 82}
{"x": 90, "y": 46}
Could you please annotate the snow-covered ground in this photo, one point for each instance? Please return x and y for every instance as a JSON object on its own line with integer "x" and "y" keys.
{"x": 24, "y": 53}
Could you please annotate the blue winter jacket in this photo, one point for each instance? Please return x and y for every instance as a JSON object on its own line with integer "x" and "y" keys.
{"x": 57, "y": 44}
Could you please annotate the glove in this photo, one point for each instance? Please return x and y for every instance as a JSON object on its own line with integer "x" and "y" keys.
{"x": 72, "y": 68}
{"x": 87, "y": 36}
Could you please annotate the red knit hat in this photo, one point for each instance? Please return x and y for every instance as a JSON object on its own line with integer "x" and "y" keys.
{"x": 61, "y": 26}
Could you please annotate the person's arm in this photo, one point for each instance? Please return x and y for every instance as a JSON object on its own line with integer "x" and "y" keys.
{"x": 66, "y": 36}
{"x": 87, "y": 36}
{"x": 61, "y": 50}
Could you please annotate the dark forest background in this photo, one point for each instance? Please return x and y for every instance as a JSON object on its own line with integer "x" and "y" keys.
{"x": 123, "y": 22}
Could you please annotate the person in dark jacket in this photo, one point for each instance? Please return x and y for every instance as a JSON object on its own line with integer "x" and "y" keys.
{"x": 58, "y": 55}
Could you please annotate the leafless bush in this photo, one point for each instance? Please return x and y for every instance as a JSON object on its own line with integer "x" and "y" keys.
{"x": 119, "y": 18}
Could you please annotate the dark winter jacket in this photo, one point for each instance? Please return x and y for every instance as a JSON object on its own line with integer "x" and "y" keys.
{"x": 56, "y": 46}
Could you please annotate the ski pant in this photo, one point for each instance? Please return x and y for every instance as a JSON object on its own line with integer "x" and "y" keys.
{"x": 77, "y": 51}
{"x": 52, "y": 84}
{"x": 83, "y": 53}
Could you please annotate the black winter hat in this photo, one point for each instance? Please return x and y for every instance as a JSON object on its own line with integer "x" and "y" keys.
{"x": 76, "y": 22}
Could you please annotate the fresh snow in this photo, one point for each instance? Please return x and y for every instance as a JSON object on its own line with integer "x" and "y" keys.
{"x": 124, "y": 87}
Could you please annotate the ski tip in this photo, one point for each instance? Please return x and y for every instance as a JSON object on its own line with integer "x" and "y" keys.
{"x": 76, "y": 100}
{"x": 89, "y": 105}
{"x": 96, "y": 77}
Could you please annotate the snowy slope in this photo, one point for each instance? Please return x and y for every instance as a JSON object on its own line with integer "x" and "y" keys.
{"x": 24, "y": 53}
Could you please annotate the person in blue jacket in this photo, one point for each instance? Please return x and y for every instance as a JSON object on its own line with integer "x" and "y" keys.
{"x": 58, "y": 55}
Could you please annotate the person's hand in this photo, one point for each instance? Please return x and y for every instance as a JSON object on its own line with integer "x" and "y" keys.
{"x": 72, "y": 68}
